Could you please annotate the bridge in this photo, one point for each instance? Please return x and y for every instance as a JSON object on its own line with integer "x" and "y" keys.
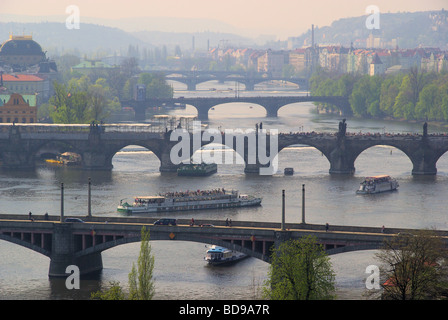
{"x": 204, "y": 104}
{"x": 81, "y": 244}
{"x": 21, "y": 145}
{"x": 249, "y": 79}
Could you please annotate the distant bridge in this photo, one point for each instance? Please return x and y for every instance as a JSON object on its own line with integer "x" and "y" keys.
{"x": 81, "y": 244}
{"x": 204, "y": 104}
{"x": 249, "y": 79}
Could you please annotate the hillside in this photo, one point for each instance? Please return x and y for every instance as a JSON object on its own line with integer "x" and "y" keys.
{"x": 411, "y": 30}
{"x": 55, "y": 38}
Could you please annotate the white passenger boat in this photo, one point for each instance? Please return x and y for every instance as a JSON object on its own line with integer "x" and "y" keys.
{"x": 377, "y": 184}
{"x": 217, "y": 255}
{"x": 189, "y": 200}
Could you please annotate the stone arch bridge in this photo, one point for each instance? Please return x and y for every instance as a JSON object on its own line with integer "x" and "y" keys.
{"x": 21, "y": 144}
{"x": 204, "y": 104}
{"x": 249, "y": 79}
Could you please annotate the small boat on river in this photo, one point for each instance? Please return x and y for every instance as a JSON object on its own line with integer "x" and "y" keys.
{"x": 377, "y": 184}
{"x": 197, "y": 169}
{"x": 217, "y": 255}
{"x": 189, "y": 200}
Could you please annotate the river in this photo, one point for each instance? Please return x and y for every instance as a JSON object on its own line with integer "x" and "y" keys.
{"x": 180, "y": 271}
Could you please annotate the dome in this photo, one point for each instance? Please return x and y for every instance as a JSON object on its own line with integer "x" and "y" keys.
{"x": 23, "y": 45}
{"x": 21, "y": 51}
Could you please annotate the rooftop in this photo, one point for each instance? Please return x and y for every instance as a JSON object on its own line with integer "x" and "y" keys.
{"x": 20, "y": 77}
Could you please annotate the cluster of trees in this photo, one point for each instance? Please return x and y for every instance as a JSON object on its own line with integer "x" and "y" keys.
{"x": 300, "y": 270}
{"x": 413, "y": 267}
{"x": 80, "y": 98}
{"x": 414, "y": 95}
{"x": 80, "y": 101}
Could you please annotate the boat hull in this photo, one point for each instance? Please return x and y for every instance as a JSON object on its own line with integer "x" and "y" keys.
{"x": 380, "y": 189}
{"x": 192, "y": 205}
{"x": 218, "y": 255}
{"x": 229, "y": 261}
{"x": 196, "y": 173}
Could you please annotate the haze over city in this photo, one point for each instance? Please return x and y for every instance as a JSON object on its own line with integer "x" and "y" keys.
{"x": 283, "y": 18}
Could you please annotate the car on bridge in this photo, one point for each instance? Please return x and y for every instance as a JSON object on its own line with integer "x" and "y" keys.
{"x": 75, "y": 220}
{"x": 166, "y": 222}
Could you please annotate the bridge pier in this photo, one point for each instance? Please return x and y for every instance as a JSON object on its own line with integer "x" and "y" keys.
{"x": 250, "y": 85}
{"x": 63, "y": 254}
{"x": 424, "y": 166}
{"x": 96, "y": 161}
{"x": 203, "y": 109}
{"x": 139, "y": 113}
{"x": 272, "y": 111}
{"x": 19, "y": 160}
{"x": 191, "y": 85}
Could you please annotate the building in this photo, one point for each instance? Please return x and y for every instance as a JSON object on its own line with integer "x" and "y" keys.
{"x": 21, "y": 57}
{"x": 21, "y": 52}
{"x": 376, "y": 66}
{"x": 27, "y": 84}
{"x": 15, "y": 108}
{"x": 272, "y": 62}
{"x": 86, "y": 67}
{"x": 298, "y": 60}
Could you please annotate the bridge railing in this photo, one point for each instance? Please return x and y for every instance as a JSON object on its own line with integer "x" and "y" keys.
{"x": 80, "y": 128}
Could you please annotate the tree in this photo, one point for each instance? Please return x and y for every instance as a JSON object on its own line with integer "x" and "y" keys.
{"x": 156, "y": 86}
{"x": 115, "y": 292}
{"x": 300, "y": 270}
{"x": 389, "y": 91}
{"x": 141, "y": 284}
{"x": 413, "y": 267}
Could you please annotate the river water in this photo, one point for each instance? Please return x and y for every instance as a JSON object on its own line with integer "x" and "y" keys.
{"x": 180, "y": 271}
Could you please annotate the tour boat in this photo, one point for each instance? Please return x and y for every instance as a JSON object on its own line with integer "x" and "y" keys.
{"x": 189, "y": 200}
{"x": 377, "y": 184}
{"x": 197, "y": 169}
{"x": 217, "y": 255}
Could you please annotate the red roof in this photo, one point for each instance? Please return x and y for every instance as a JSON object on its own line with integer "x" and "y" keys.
{"x": 20, "y": 77}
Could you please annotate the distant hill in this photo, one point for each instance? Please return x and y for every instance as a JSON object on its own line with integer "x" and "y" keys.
{"x": 55, "y": 38}
{"x": 200, "y": 39}
{"x": 427, "y": 29}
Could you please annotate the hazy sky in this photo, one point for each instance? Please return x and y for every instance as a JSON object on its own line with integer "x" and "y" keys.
{"x": 282, "y": 17}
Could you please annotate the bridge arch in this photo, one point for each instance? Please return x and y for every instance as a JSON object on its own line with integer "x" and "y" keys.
{"x": 133, "y": 149}
{"x": 39, "y": 245}
{"x": 54, "y": 148}
{"x": 239, "y": 110}
{"x": 288, "y": 156}
{"x": 442, "y": 163}
{"x": 219, "y": 153}
{"x": 393, "y": 156}
{"x": 240, "y": 246}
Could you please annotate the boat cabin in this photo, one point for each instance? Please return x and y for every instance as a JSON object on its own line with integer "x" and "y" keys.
{"x": 380, "y": 178}
{"x": 218, "y": 253}
{"x": 149, "y": 200}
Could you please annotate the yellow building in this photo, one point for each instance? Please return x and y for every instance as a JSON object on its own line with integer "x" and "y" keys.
{"x": 17, "y": 108}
